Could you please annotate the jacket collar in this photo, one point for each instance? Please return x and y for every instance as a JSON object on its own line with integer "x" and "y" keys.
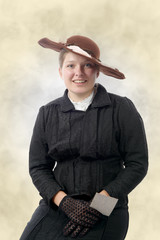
{"x": 101, "y": 99}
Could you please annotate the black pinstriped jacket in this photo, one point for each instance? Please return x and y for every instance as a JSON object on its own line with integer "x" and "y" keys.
{"x": 102, "y": 148}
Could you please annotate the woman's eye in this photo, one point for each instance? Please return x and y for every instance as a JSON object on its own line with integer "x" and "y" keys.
{"x": 89, "y": 65}
{"x": 70, "y": 66}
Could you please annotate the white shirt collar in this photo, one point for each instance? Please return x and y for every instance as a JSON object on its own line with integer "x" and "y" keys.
{"x": 84, "y": 104}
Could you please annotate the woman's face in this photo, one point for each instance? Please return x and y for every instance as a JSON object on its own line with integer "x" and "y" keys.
{"x": 79, "y": 75}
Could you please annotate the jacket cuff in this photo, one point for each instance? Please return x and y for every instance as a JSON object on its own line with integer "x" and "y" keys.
{"x": 50, "y": 196}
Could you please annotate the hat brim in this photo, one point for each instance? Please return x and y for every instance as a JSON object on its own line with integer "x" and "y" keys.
{"x": 109, "y": 71}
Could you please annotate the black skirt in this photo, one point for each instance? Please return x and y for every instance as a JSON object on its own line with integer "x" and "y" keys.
{"x": 47, "y": 224}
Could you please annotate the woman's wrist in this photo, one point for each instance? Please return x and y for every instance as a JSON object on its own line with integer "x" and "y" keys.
{"x": 104, "y": 192}
{"x": 58, "y": 197}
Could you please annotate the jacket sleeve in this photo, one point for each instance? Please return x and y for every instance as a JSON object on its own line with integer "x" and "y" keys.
{"x": 133, "y": 149}
{"x": 40, "y": 164}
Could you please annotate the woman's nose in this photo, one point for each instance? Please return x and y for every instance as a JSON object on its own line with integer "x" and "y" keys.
{"x": 78, "y": 71}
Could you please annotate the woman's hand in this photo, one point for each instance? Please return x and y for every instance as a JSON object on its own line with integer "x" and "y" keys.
{"x": 104, "y": 192}
{"x": 74, "y": 230}
{"x": 82, "y": 216}
{"x": 79, "y": 211}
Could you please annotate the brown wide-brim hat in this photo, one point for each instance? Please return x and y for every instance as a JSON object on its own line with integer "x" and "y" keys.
{"x": 85, "y": 47}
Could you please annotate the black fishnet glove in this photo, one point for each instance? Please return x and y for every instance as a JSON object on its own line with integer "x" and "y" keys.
{"x": 74, "y": 230}
{"x": 79, "y": 211}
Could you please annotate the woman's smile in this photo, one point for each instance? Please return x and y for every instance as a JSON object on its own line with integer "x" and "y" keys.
{"x": 79, "y": 81}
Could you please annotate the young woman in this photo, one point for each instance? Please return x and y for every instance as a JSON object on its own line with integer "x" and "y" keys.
{"x": 88, "y": 152}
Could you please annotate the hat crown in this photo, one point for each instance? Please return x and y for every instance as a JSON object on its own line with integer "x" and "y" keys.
{"x": 86, "y": 44}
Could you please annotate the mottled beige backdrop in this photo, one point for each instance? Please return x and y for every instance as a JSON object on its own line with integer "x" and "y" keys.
{"x": 128, "y": 34}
